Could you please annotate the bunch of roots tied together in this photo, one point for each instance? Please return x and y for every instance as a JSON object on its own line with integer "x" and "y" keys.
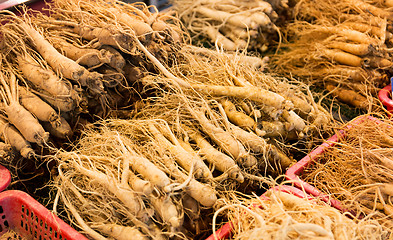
{"x": 234, "y": 25}
{"x": 341, "y": 46}
{"x": 77, "y": 61}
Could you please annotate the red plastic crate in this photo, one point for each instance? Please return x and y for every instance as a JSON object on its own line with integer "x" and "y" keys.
{"x": 296, "y": 170}
{"x": 385, "y": 97}
{"x": 27, "y": 217}
{"x": 225, "y": 231}
{"x": 5, "y": 178}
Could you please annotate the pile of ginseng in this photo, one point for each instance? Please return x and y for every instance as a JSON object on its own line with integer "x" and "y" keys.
{"x": 132, "y": 178}
{"x": 186, "y": 145}
{"x": 342, "y": 46}
{"x": 79, "y": 58}
{"x": 280, "y": 215}
{"x": 232, "y": 25}
{"x": 205, "y": 120}
{"x": 358, "y": 170}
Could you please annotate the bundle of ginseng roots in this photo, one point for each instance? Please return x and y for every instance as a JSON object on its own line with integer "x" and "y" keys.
{"x": 280, "y": 215}
{"x": 78, "y": 59}
{"x": 266, "y": 105}
{"x": 358, "y": 171}
{"x": 342, "y": 46}
{"x": 123, "y": 180}
{"x": 232, "y": 25}
{"x": 189, "y": 142}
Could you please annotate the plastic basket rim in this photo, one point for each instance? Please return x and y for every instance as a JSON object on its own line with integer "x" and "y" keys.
{"x": 383, "y": 96}
{"x": 5, "y": 178}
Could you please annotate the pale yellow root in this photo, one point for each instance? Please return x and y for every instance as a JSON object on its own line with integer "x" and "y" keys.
{"x": 38, "y": 107}
{"x": 239, "y": 32}
{"x": 256, "y": 94}
{"x": 221, "y": 16}
{"x": 42, "y": 78}
{"x": 136, "y": 24}
{"x": 167, "y": 210}
{"x": 219, "y": 39}
{"x": 119, "y": 232}
{"x": 225, "y": 140}
{"x": 236, "y": 117}
{"x": 202, "y": 193}
{"x": 275, "y": 128}
{"x": 127, "y": 196}
{"x": 67, "y": 67}
{"x": 9, "y": 134}
{"x": 105, "y": 37}
{"x": 221, "y": 161}
{"x": 139, "y": 185}
{"x": 22, "y": 119}
{"x": 294, "y": 120}
{"x": 116, "y": 60}
{"x": 86, "y": 57}
{"x": 257, "y": 144}
{"x": 355, "y": 74}
{"x": 376, "y": 11}
{"x": 144, "y": 166}
{"x": 185, "y": 159}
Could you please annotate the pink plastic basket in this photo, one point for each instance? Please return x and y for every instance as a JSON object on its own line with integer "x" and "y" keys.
{"x": 34, "y": 4}
{"x": 225, "y": 231}
{"x": 27, "y": 217}
{"x": 296, "y": 170}
{"x": 384, "y": 96}
{"x": 5, "y": 178}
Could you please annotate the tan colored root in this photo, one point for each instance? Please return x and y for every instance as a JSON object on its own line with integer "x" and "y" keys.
{"x": 61, "y": 130}
{"x": 22, "y": 119}
{"x": 41, "y": 110}
{"x": 202, "y": 193}
{"x": 344, "y": 58}
{"x": 355, "y": 49}
{"x": 189, "y": 162}
{"x": 348, "y": 96}
{"x": 120, "y": 232}
{"x": 9, "y": 134}
{"x": 139, "y": 185}
{"x": 221, "y": 161}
